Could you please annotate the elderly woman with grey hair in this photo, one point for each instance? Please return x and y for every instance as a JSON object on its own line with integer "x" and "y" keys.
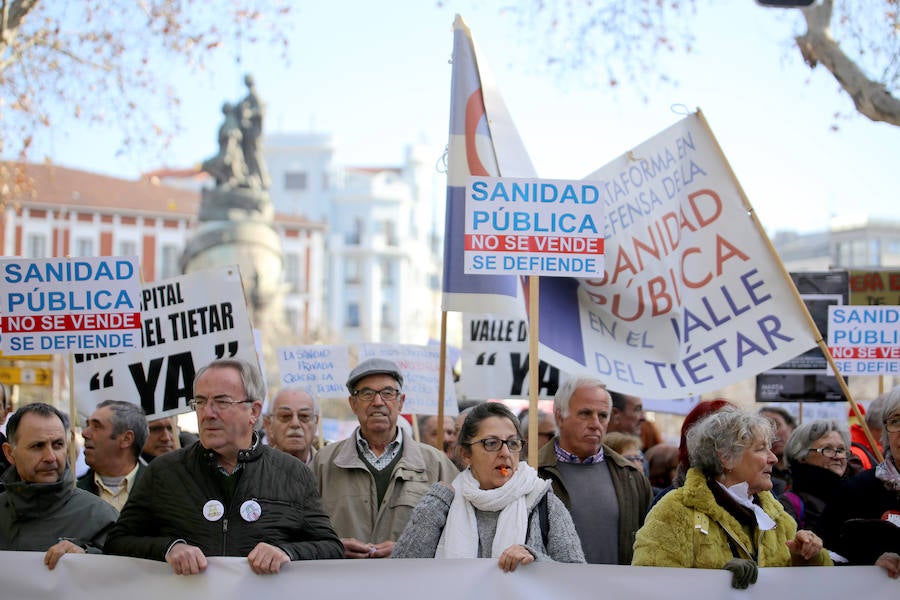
{"x": 725, "y": 515}
{"x": 817, "y": 454}
{"x": 863, "y": 521}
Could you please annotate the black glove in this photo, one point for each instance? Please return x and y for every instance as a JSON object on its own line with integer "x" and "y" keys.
{"x": 743, "y": 572}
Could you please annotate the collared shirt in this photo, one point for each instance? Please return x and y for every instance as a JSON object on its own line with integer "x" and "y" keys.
{"x": 379, "y": 462}
{"x": 568, "y": 457}
{"x": 116, "y": 499}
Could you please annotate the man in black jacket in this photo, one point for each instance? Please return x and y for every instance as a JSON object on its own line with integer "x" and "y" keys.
{"x": 229, "y": 495}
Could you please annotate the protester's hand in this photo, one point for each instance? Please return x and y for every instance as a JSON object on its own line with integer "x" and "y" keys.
{"x": 743, "y": 572}
{"x": 186, "y": 559}
{"x": 513, "y": 556}
{"x": 383, "y": 550}
{"x": 266, "y": 558}
{"x": 353, "y": 548}
{"x": 805, "y": 544}
{"x": 890, "y": 561}
{"x": 55, "y": 552}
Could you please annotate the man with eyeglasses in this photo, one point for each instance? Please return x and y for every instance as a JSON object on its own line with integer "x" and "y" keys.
{"x": 607, "y": 495}
{"x": 229, "y": 495}
{"x": 371, "y": 481}
{"x": 291, "y": 424}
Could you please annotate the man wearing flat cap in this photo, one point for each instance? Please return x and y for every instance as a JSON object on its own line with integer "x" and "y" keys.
{"x": 371, "y": 481}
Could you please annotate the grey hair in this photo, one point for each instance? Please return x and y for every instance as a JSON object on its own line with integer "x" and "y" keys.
{"x": 875, "y": 412}
{"x": 567, "y": 389}
{"x": 891, "y": 409}
{"x": 250, "y": 376}
{"x": 723, "y": 437}
{"x": 296, "y": 388}
{"x": 797, "y": 446}
{"x": 128, "y": 416}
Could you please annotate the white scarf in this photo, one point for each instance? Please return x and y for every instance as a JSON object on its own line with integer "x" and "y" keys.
{"x": 887, "y": 472}
{"x": 741, "y": 494}
{"x": 460, "y": 536}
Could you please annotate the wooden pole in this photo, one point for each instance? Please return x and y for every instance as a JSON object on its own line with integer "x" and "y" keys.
{"x": 533, "y": 365}
{"x": 810, "y": 321}
{"x": 442, "y": 383}
{"x": 73, "y": 415}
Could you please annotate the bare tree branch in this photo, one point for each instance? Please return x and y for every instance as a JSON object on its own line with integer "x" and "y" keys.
{"x": 872, "y": 99}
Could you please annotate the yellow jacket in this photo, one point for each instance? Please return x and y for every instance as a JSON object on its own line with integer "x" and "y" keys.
{"x": 688, "y": 528}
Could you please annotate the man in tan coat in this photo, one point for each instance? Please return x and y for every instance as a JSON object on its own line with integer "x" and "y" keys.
{"x": 371, "y": 481}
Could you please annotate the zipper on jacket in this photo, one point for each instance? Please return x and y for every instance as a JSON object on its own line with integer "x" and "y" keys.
{"x": 224, "y": 535}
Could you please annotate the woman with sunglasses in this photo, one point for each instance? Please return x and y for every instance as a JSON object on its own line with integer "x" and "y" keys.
{"x": 496, "y": 508}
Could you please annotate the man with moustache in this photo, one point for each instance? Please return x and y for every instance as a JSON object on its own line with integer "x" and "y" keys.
{"x": 371, "y": 481}
{"x": 229, "y": 495}
{"x": 291, "y": 424}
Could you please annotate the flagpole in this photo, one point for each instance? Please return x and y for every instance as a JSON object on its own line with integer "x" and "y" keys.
{"x": 810, "y": 321}
{"x": 533, "y": 364}
{"x": 442, "y": 365}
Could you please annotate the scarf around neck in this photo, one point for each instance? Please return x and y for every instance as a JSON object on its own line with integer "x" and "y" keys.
{"x": 459, "y": 538}
{"x": 887, "y": 473}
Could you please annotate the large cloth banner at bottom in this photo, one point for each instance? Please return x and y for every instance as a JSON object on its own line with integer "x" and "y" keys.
{"x": 24, "y": 576}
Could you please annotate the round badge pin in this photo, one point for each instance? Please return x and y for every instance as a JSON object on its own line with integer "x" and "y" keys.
{"x": 213, "y": 510}
{"x": 250, "y": 510}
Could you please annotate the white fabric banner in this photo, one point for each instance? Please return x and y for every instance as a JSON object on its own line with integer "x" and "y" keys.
{"x": 23, "y": 576}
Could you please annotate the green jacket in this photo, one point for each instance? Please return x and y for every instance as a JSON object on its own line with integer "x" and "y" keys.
{"x": 688, "y": 528}
{"x": 33, "y": 516}
{"x": 349, "y": 495}
{"x": 631, "y": 486}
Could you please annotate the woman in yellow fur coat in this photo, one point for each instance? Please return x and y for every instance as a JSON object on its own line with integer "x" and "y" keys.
{"x": 725, "y": 516}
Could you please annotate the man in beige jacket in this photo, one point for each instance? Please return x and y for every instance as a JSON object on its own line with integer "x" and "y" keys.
{"x": 371, "y": 481}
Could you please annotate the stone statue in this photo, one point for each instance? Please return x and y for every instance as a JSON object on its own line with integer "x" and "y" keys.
{"x": 240, "y": 162}
{"x": 252, "y": 112}
{"x": 228, "y": 167}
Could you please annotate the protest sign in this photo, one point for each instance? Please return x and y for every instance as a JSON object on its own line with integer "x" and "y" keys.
{"x": 495, "y": 360}
{"x": 533, "y": 227}
{"x": 419, "y": 366}
{"x": 320, "y": 369}
{"x": 865, "y": 340}
{"x": 55, "y": 305}
{"x": 693, "y": 297}
{"x": 187, "y": 322}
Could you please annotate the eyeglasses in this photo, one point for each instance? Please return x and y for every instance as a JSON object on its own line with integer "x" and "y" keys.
{"x": 829, "y": 452}
{"x": 221, "y": 403}
{"x": 638, "y": 458}
{"x": 387, "y": 394}
{"x": 288, "y": 416}
{"x": 892, "y": 425}
{"x": 493, "y": 444}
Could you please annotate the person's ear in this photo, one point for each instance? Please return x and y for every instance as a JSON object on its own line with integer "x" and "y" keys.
{"x": 126, "y": 439}
{"x": 8, "y": 453}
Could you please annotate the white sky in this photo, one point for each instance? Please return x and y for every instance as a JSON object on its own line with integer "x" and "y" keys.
{"x": 377, "y": 76}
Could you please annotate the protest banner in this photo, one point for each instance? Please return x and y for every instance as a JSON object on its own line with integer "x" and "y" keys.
{"x": 187, "y": 322}
{"x": 59, "y": 305}
{"x": 495, "y": 360}
{"x": 694, "y": 296}
{"x": 419, "y": 366}
{"x": 533, "y": 227}
{"x": 98, "y": 577}
{"x": 320, "y": 369}
{"x": 865, "y": 340}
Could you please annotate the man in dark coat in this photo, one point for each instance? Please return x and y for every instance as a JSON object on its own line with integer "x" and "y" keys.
{"x": 229, "y": 495}
{"x": 41, "y": 510}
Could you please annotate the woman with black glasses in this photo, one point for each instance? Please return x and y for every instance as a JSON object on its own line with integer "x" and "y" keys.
{"x": 496, "y": 508}
{"x": 816, "y": 454}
